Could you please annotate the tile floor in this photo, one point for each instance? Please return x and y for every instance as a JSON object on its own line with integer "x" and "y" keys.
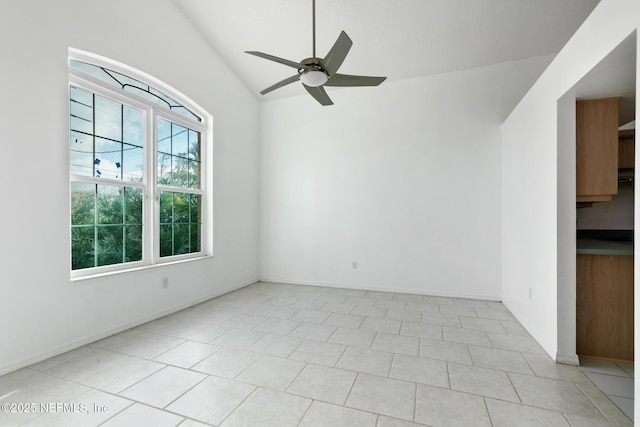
{"x": 614, "y": 379}
{"x": 286, "y": 355}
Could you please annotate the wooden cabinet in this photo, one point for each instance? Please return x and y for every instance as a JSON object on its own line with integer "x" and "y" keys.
{"x": 596, "y": 149}
{"x": 627, "y": 150}
{"x": 604, "y": 306}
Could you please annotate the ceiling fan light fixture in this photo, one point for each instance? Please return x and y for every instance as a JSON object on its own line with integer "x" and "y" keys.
{"x": 314, "y": 78}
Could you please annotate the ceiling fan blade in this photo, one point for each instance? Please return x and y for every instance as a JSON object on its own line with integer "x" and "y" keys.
{"x": 292, "y": 64}
{"x": 349, "y": 80}
{"x": 337, "y": 54}
{"x": 319, "y": 94}
{"x": 278, "y": 85}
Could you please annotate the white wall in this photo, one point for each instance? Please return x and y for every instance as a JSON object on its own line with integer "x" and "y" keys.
{"x": 538, "y": 208}
{"x": 403, "y": 179}
{"x": 41, "y": 311}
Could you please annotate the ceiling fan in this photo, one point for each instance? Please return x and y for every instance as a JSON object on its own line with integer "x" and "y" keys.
{"x": 315, "y": 73}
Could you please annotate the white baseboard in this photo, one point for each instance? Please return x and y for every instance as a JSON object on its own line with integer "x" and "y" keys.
{"x": 568, "y": 359}
{"x": 425, "y": 292}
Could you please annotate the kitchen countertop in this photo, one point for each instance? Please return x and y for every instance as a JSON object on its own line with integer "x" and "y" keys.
{"x": 604, "y": 247}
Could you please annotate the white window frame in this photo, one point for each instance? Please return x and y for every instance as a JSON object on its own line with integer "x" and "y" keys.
{"x": 151, "y": 188}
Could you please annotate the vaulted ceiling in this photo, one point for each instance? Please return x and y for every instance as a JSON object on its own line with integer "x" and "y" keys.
{"x": 399, "y": 39}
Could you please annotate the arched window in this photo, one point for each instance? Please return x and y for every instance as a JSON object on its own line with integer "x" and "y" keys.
{"x": 136, "y": 167}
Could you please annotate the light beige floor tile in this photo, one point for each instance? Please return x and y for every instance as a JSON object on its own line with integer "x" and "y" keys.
{"x": 228, "y": 362}
{"x": 516, "y": 343}
{"x": 192, "y": 423}
{"x": 407, "y": 297}
{"x": 602, "y": 367}
{"x": 279, "y": 312}
{"x": 544, "y": 366}
{"x": 398, "y": 305}
{"x": 344, "y": 320}
{"x": 353, "y": 337}
{"x": 611, "y": 412}
{"x": 490, "y": 313}
{"x": 443, "y": 407}
{"x": 311, "y": 315}
{"x": 238, "y": 338}
{"x": 420, "y": 370}
{"x": 403, "y": 315}
{"x": 482, "y": 381}
{"x": 163, "y": 387}
{"x": 421, "y": 330}
{"x": 386, "y": 396}
{"x": 394, "y": 422}
{"x": 396, "y": 344}
{"x": 488, "y": 325}
{"x": 366, "y": 361}
{"x": 514, "y": 328}
{"x": 187, "y": 354}
{"x": 138, "y": 343}
{"x": 502, "y": 360}
{"x": 322, "y": 414}
{"x": 269, "y": 408}
{"x": 87, "y": 363}
{"x": 337, "y": 307}
{"x": 432, "y": 299}
{"x": 26, "y": 386}
{"x": 170, "y": 325}
{"x": 424, "y": 307}
{"x": 444, "y": 350}
{"x": 369, "y": 310}
{"x": 441, "y": 319}
{"x": 466, "y": 302}
{"x": 553, "y": 394}
{"x": 505, "y": 414}
{"x": 625, "y": 404}
{"x": 312, "y": 331}
{"x": 457, "y": 310}
{"x": 123, "y": 374}
{"x": 374, "y": 324}
{"x": 205, "y": 332}
{"x": 271, "y": 372}
{"x": 278, "y": 326}
{"x": 612, "y": 385}
{"x": 465, "y": 336}
{"x": 212, "y": 400}
{"x": 244, "y": 321}
{"x": 276, "y": 345}
{"x": 141, "y": 415}
{"x": 89, "y": 409}
{"x": 317, "y": 352}
{"x": 325, "y": 384}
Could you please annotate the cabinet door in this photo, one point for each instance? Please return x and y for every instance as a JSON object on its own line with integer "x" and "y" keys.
{"x": 596, "y": 149}
{"x": 604, "y": 306}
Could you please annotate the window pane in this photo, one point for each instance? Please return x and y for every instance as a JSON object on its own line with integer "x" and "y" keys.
{"x": 132, "y": 163}
{"x": 180, "y": 207}
{"x": 133, "y": 130}
{"x": 110, "y": 204}
{"x": 108, "y": 159}
{"x": 166, "y": 240}
{"x": 108, "y": 118}
{"x": 109, "y": 245}
{"x": 180, "y": 223}
{"x": 133, "y": 206}
{"x": 83, "y": 203}
{"x": 178, "y": 155}
{"x": 133, "y": 243}
{"x": 82, "y": 247}
{"x": 81, "y": 110}
{"x": 81, "y": 154}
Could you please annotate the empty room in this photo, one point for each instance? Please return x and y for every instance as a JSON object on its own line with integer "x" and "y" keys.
{"x": 318, "y": 212}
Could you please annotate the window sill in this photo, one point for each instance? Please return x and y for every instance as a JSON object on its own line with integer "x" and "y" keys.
{"x": 140, "y": 268}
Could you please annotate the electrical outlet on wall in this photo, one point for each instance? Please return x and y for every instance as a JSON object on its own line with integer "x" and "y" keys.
{"x": 165, "y": 282}
{"x": 354, "y": 265}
